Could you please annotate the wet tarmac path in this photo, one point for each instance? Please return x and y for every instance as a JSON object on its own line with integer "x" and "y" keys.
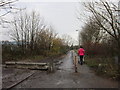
{"x": 65, "y": 77}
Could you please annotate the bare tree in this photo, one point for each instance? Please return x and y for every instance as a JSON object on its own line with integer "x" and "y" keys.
{"x": 106, "y": 16}
{"x": 32, "y": 34}
{"x": 8, "y": 7}
{"x": 91, "y": 32}
{"x": 25, "y": 28}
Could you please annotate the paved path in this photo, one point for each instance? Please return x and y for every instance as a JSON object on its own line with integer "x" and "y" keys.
{"x": 65, "y": 77}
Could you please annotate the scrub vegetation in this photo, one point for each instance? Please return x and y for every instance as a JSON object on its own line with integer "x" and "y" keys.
{"x": 33, "y": 39}
{"x": 100, "y": 37}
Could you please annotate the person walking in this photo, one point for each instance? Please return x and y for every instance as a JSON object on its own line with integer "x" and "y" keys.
{"x": 81, "y": 53}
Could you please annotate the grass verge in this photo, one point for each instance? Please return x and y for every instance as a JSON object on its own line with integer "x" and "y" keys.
{"x": 105, "y": 67}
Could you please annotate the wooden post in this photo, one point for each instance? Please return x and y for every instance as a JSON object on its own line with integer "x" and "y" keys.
{"x": 51, "y": 67}
{"x": 75, "y": 62}
{"x": 72, "y": 57}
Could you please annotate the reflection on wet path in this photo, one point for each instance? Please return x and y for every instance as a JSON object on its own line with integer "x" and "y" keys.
{"x": 66, "y": 77}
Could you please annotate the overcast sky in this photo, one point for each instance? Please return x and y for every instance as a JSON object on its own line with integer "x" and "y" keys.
{"x": 62, "y": 15}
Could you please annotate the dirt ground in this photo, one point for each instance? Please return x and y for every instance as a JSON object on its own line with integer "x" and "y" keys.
{"x": 63, "y": 77}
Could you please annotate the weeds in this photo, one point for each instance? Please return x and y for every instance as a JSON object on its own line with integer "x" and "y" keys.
{"x": 104, "y": 67}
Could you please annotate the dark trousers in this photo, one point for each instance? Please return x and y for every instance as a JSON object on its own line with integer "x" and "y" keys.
{"x": 81, "y": 59}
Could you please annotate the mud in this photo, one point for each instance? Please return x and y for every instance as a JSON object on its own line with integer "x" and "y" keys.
{"x": 65, "y": 77}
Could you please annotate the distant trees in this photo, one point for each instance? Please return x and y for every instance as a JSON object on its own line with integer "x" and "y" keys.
{"x": 68, "y": 40}
{"x": 33, "y": 37}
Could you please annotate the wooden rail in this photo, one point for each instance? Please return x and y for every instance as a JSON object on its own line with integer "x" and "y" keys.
{"x": 17, "y": 83}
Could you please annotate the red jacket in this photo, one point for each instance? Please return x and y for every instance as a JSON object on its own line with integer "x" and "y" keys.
{"x": 81, "y": 52}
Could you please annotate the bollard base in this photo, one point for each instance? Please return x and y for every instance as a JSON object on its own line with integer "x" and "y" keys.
{"x": 76, "y": 69}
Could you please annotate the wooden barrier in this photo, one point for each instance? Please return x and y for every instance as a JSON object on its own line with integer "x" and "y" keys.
{"x": 27, "y": 65}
